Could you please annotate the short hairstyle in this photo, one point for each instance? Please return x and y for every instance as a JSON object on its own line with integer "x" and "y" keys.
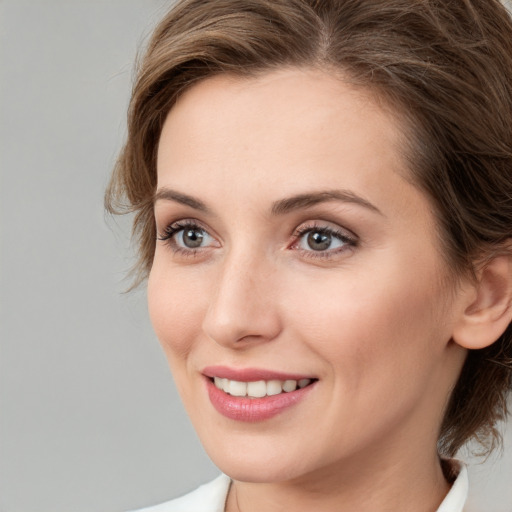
{"x": 445, "y": 69}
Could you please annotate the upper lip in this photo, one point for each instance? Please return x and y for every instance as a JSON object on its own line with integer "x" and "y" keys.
{"x": 250, "y": 374}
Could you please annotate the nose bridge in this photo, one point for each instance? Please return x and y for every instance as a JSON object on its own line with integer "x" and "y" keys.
{"x": 242, "y": 304}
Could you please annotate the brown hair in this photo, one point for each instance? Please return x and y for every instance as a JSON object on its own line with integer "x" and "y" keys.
{"x": 444, "y": 67}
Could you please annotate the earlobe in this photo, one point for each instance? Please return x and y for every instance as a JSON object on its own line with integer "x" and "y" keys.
{"x": 488, "y": 310}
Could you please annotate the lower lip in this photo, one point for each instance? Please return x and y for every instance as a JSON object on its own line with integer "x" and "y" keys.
{"x": 254, "y": 409}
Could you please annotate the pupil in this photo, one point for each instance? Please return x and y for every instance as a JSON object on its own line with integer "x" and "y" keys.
{"x": 319, "y": 241}
{"x": 192, "y": 238}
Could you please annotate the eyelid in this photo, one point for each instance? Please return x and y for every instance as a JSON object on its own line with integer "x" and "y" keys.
{"x": 328, "y": 227}
{"x": 349, "y": 239}
{"x": 175, "y": 227}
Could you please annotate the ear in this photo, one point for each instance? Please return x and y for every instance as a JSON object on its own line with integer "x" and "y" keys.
{"x": 488, "y": 307}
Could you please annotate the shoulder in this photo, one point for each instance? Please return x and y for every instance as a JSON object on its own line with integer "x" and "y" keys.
{"x": 209, "y": 497}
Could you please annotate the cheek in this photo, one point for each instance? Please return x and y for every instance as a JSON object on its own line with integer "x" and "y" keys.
{"x": 176, "y": 304}
{"x": 370, "y": 324}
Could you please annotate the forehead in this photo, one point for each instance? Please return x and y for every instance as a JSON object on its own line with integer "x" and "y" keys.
{"x": 298, "y": 110}
{"x": 241, "y": 144}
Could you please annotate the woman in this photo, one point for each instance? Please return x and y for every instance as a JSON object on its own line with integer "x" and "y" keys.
{"x": 323, "y": 198}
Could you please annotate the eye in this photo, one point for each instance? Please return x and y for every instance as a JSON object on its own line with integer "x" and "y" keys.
{"x": 319, "y": 241}
{"x": 187, "y": 236}
{"x": 323, "y": 240}
{"x": 192, "y": 238}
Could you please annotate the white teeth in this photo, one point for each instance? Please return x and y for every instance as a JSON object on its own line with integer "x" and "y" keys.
{"x": 237, "y": 388}
{"x": 289, "y": 385}
{"x": 222, "y": 384}
{"x": 257, "y": 389}
{"x": 274, "y": 387}
{"x": 260, "y": 388}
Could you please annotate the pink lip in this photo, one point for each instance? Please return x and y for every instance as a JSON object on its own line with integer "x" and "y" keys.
{"x": 250, "y": 374}
{"x": 252, "y": 409}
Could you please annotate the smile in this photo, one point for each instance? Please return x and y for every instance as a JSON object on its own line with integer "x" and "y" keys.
{"x": 254, "y": 395}
{"x": 259, "y": 388}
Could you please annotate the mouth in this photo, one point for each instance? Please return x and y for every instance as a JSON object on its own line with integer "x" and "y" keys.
{"x": 259, "y": 388}
{"x": 253, "y": 395}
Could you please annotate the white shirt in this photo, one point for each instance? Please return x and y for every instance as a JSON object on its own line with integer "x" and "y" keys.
{"x": 211, "y": 497}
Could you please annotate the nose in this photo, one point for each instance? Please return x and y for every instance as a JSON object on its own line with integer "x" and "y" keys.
{"x": 243, "y": 309}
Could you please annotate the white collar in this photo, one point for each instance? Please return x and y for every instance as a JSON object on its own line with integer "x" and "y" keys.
{"x": 456, "y": 498}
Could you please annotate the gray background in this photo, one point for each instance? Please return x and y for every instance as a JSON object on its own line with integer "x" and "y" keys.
{"x": 90, "y": 420}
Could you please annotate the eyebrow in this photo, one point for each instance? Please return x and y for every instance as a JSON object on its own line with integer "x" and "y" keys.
{"x": 172, "y": 195}
{"x": 279, "y": 207}
{"x": 307, "y": 200}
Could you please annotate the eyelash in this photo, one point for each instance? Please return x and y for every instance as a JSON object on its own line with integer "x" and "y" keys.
{"x": 349, "y": 241}
{"x": 176, "y": 227}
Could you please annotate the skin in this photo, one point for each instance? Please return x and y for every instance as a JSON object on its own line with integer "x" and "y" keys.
{"x": 373, "y": 319}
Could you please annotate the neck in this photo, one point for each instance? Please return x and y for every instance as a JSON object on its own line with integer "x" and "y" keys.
{"x": 382, "y": 484}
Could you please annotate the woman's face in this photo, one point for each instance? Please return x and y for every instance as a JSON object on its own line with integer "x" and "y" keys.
{"x": 292, "y": 252}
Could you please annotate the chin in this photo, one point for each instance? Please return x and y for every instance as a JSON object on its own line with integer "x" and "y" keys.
{"x": 258, "y": 457}
{"x": 258, "y": 469}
